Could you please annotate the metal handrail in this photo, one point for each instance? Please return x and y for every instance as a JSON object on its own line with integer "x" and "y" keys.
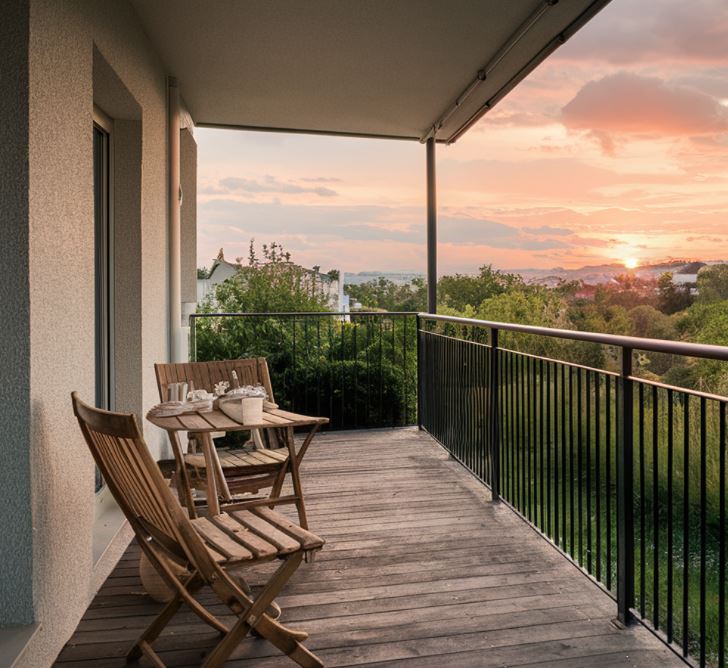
{"x": 278, "y": 314}
{"x": 702, "y": 350}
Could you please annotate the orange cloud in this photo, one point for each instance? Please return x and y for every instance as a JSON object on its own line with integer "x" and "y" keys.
{"x": 627, "y": 103}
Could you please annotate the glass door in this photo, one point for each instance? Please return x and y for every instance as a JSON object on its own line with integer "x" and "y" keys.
{"x": 103, "y": 281}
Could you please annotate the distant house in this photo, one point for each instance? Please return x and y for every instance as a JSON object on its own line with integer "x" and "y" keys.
{"x": 221, "y": 270}
{"x": 330, "y": 284}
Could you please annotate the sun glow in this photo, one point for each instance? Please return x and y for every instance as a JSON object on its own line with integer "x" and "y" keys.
{"x": 631, "y": 262}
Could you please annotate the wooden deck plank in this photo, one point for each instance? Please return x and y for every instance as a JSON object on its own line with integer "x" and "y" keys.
{"x": 419, "y": 568}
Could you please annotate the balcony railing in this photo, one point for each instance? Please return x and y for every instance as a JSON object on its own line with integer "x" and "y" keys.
{"x": 624, "y": 475}
{"x": 358, "y": 369}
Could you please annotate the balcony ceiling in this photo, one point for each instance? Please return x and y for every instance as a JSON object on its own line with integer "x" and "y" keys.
{"x": 389, "y": 68}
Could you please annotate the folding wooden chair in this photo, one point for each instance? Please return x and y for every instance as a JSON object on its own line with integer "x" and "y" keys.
{"x": 209, "y": 549}
{"x": 241, "y": 469}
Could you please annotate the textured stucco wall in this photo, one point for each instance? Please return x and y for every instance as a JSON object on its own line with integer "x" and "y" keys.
{"x": 61, "y": 272}
{"x": 188, "y": 216}
{"x": 16, "y": 604}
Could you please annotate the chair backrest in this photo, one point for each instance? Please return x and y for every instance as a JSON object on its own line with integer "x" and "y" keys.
{"x": 134, "y": 478}
{"x": 205, "y": 375}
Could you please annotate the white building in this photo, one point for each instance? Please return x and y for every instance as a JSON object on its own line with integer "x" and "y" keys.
{"x": 331, "y": 285}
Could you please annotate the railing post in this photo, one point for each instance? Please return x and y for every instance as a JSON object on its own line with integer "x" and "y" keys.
{"x": 420, "y": 375}
{"x": 494, "y": 382}
{"x": 192, "y": 354}
{"x": 625, "y": 491}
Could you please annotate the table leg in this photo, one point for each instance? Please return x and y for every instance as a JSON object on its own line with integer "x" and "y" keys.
{"x": 212, "y": 464}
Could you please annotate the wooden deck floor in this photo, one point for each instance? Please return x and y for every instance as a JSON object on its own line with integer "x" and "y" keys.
{"x": 419, "y": 570}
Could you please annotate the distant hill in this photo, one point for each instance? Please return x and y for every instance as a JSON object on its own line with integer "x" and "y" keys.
{"x": 400, "y": 278}
{"x": 604, "y": 273}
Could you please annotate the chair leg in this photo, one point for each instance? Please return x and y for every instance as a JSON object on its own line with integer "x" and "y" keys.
{"x": 184, "y": 594}
{"x": 255, "y": 616}
{"x": 154, "y": 629}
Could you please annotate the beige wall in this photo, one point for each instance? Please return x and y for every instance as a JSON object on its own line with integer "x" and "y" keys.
{"x": 61, "y": 275}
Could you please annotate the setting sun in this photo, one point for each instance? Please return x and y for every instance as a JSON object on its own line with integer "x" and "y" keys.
{"x": 631, "y": 262}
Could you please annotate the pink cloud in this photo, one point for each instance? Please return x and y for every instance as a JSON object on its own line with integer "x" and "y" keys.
{"x": 627, "y": 103}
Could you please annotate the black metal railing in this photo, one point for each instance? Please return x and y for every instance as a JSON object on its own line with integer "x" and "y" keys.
{"x": 357, "y": 369}
{"x": 626, "y": 475}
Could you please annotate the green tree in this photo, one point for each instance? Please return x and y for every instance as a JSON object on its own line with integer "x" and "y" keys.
{"x": 529, "y": 305}
{"x": 672, "y": 298}
{"x": 713, "y": 283}
{"x": 461, "y": 290}
{"x": 269, "y": 284}
{"x": 387, "y": 295}
{"x": 705, "y": 323}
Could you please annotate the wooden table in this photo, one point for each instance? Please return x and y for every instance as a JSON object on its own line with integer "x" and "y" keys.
{"x": 202, "y": 425}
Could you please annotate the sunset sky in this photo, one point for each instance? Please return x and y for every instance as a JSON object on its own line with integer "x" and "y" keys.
{"x": 616, "y": 147}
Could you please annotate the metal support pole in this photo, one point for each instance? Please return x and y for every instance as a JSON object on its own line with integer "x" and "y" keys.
{"x": 625, "y": 493}
{"x": 494, "y": 382}
{"x": 431, "y": 228}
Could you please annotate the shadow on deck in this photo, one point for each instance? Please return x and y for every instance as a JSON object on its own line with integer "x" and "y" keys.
{"x": 419, "y": 569}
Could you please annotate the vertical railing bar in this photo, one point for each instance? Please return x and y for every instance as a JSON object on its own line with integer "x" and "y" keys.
{"x": 588, "y": 474}
{"x": 420, "y": 362}
{"x": 541, "y": 439}
{"x": 495, "y": 415}
{"x": 572, "y": 500}
{"x": 525, "y": 453}
{"x": 686, "y": 524}
{"x": 557, "y": 448}
{"x": 533, "y": 477}
{"x": 514, "y": 431}
{"x": 379, "y": 369}
{"x": 721, "y": 534}
{"x": 293, "y": 394}
{"x": 641, "y": 456}
{"x": 318, "y": 375}
{"x": 703, "y": 525}
{"x": 580, "y": 465}
{"x": 330, "y": 374}
{"x": 625, "y": 508}
{"x": 405, "y": 375}
{"x": 655, "y": 512}
{"x": 549, "y": 514}
{"x": 564, "y": 543}
{"x": 598, "y": 471}
{"x": 528, "y": 444}
{"x": 355, "y": 370}
{"x": 608, "y": 476}
{"x": 342, "y": 340}
{"x": 670, "y": 503}
{"x": 394, "y": 365}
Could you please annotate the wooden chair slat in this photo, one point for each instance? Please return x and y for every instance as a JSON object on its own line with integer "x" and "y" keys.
{"x": 221, "y": 541}
{"x": 308, "y": 540}
{"x": 261, "y": 547}
{"x": 271, "y": 533}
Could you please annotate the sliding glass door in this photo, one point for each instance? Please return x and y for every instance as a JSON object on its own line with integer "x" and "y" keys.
{"x": 103, "y": 281}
